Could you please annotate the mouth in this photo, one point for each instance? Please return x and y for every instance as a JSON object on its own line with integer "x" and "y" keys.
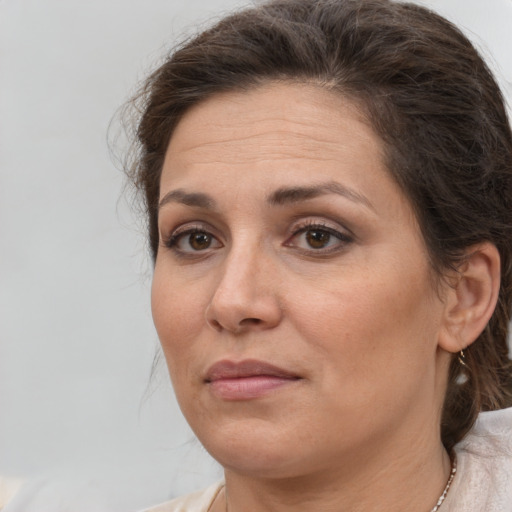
{"x": 247, "y": 380}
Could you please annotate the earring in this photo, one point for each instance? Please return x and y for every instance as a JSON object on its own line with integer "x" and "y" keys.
{"x": 462, "y": 359}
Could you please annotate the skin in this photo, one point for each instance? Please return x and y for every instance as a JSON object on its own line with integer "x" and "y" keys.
{"x": 355, "y": 315}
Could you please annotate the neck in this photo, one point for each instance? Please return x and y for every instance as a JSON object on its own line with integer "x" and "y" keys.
{"x": 393, "y": 481}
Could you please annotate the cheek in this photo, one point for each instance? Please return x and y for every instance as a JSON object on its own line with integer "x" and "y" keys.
{"x": 372, "y": 328}
{"x": 178, "y": 315}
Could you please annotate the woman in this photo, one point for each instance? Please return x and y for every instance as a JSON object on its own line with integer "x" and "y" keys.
{"x": 328, "y": 187}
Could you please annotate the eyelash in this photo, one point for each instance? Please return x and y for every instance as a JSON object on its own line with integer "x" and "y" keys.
{"x": 343, "y": 238}
{"x": 173, "y": 241}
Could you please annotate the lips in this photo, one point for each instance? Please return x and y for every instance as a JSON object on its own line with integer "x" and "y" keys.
{"x": 246, "y": 380}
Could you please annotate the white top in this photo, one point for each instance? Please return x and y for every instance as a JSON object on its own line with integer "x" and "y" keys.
{"x": 199, "y": 501}
{"x": 483, "y": 482}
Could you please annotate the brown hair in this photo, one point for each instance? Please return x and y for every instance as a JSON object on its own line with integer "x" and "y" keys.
{"x": 426, "y": 92}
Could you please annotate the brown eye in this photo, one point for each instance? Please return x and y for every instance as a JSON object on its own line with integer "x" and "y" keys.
{"x": 317, "y": 238}
{"x": 200, "y": 241}
{"x": 193, "y": 241}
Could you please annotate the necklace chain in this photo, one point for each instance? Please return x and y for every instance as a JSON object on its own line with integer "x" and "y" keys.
{"x": 448, "y": 485}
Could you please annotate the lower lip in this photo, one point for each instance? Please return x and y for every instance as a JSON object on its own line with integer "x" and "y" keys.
{"x": 248, "y": 388}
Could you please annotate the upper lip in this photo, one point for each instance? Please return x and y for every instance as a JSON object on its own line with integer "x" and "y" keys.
{"x": 226, "y": 369}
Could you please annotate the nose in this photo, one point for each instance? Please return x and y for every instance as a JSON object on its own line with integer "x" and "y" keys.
{"x": 246, "y": 296}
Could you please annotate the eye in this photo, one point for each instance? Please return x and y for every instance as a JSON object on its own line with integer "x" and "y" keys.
{"x": 319, "y": 238}
{"x": 192, "y": 240}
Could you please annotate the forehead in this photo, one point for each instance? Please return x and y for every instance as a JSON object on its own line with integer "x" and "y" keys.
{"x": 276, "y": 120}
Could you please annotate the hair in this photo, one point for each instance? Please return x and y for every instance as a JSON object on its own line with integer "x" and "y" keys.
{"x": 425, "y": 91}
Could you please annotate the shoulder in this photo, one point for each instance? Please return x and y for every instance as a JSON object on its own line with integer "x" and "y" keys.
{"x": 491, "y": 437}
{"x": 199, "y": 501}
{"x": 484, "y": 459}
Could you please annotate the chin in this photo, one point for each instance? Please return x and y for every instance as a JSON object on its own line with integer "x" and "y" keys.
{"x": 260, "y": 464}
{"x": 253, "y": 450}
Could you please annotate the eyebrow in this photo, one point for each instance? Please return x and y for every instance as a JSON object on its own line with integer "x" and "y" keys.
{"x": 280, "y": 197}
{"x": 196, "y": 199}
{"x": 290, "y": 195}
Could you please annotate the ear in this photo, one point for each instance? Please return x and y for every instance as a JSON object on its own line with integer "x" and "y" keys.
{"x": 470, "y": 297}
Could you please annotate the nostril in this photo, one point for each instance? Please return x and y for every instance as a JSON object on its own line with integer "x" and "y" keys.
{"x": 215, "y": 324}
{"x": 251, "y": 321}
{"x": 238, "y": 327}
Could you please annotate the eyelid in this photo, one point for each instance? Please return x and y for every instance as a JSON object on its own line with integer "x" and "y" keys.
{"x": 175, "y": 228}
{"x": 314, "y": 221}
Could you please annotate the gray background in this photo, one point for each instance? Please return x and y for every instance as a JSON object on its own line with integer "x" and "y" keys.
{"x": 76, "y": 337}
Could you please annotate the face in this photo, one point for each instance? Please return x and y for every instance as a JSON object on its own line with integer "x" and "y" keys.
{"x": 292, "y": 292}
